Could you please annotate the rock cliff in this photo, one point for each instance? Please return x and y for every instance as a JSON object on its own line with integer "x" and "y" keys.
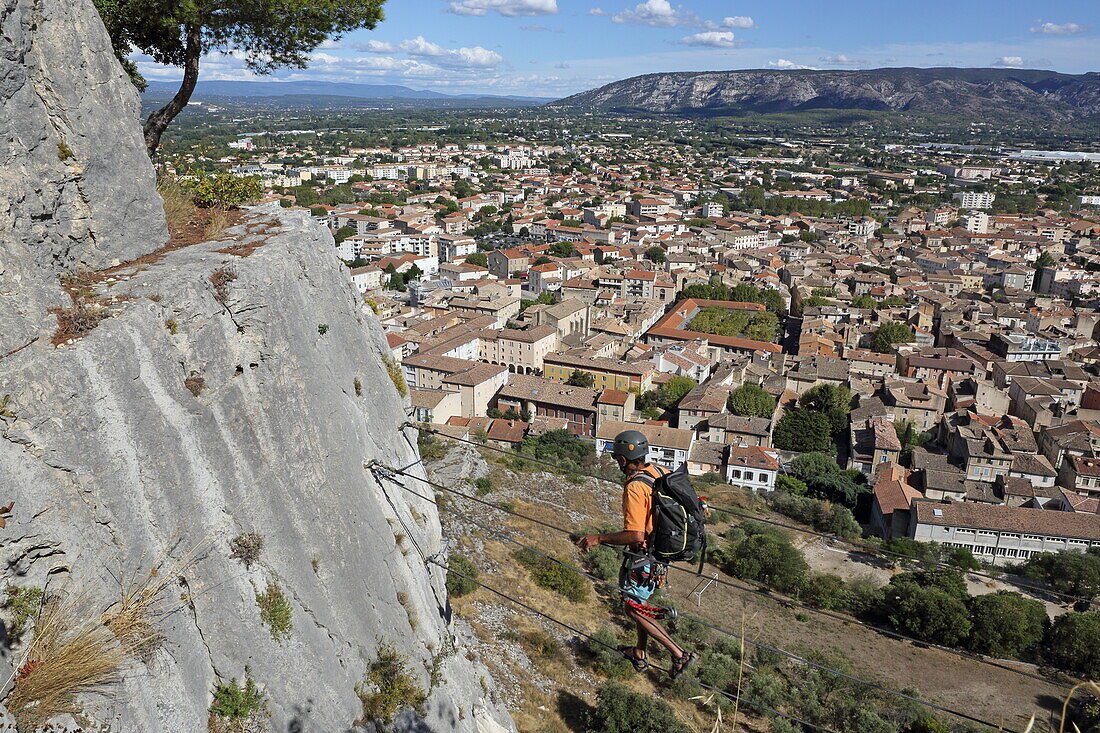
{"x": 236, "y": 385}
{"x": 1015, "y": 93}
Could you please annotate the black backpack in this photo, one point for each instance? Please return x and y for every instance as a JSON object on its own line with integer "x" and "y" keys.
{"x": 679, "y": 534}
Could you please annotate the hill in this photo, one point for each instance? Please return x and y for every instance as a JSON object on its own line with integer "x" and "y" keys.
{"x": 222, "y": 89}
{"x": 976, "y": 93}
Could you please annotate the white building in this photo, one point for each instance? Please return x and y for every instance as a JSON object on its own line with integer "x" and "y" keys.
{"x": 366, "y": 278}
{"x": 1092, "y": 200}
{"x": 752, "y": 468}
{"x": 976, "y": 222}
{"x": 974, "y": 199}
{"x": 1001, "y": 534}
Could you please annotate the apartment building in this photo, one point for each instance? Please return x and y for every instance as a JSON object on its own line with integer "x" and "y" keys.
{"x": 607, "y": 373}
{"x": 520, "y": 351}
{"x": 1002, "y": 534}
{"x": 578, "y": 407}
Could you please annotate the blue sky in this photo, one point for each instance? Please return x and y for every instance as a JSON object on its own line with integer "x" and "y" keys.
{"x": 557, "y": 47}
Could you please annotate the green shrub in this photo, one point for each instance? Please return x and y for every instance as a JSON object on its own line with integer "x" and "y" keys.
{"x": 720, "y": 665}
{"x": 322, "y": 328}
{"x": 431, "y": 448}
{"x": 929, "y": 613}
{"x": 223, "y": 190}
{"x": 620, "y": 710}
{"x": 686, "y": 631}
{"x": 458, "y": 586}
{"x": 238, "y": 707}
{"x": 388, "y": 689}
{"x": 64, "y": 152}
{"x": 484, "y": 485}
{"x": 23, "y": 602}
{"x": 825, "y": 590}
{"x": 396, "y": 376}
{"x": 275, "y": 611}
{"x": 607, "y": 662}
{"x": 553, "y": 576}
{"x": 1005, "y": 624}
{"x": 604, "y": 562}
{"x": 770, "y": 559}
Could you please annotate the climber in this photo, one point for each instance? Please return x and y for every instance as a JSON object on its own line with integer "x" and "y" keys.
{"x": 640, "y": 575}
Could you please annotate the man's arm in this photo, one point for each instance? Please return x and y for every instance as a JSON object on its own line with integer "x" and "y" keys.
{"x": 625, "y": 537}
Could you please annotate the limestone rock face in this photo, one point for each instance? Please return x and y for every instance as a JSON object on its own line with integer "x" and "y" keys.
{"x": 76, "y": 186}
{"x": 237, "y": 385}
{"x": 113, "y": 461}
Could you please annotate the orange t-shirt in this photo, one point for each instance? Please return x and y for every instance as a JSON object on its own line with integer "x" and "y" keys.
{"x": 638, "y": 501}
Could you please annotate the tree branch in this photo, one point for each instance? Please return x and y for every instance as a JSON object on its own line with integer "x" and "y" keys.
{"x": 158, "y": 121}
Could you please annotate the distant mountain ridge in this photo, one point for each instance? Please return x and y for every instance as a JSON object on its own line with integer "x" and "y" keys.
{"x": 319, "y": 88}
{"x": 953, "y": 91}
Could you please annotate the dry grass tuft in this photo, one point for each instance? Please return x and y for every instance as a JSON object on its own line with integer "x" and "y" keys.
{"x": 178, "y": 208}
{"x": 217, "y": 221}
{"x": 72, "y": 652}
{"x": 83, "y": 315}
{"x": 76, "y": 649}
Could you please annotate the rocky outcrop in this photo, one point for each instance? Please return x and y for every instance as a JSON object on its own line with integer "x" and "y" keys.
{"x": 963, "y": 92}
{"x": 187, "y": 418}
{"x": 236, "y": 385}
{"x": 76, "y": 186}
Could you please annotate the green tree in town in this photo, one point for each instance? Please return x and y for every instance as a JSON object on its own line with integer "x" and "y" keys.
{"x": 1075, "y": 573}
{"x": 478, "y": 258}
{"x": 803, "y": 430}
{"x": 863, "y": 301}
{"x": 268, "y": 34}
{"x": 343, "y": 233}
{"x": 655, "y": 254}
{"x": 581, "y": 379}
{"x": 832, "y": 400}
{"x": 1005, "y": 624}
{"x": 751, "y": 400}
{"x": 891, "y": 333}
{"x": 563, "y": 249}
{"x": 1073, "y": 644}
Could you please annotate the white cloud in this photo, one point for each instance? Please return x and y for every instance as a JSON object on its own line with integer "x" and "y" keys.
{"x": 1059, "y": 29}
{"x": 658, "y": 14}
{"x": 374, "y": 47}
{"x": 738, "y": 21}
{"x": 541, "y": 29}
{"x": 509, "y": 8}
{"x": 710, "y": 39}
{"x": 1009, "y": 62}
{"x": 598, "y": 12}
{"x": 840, "y": 59}
{"x": 465, "y": 57}
{"x": 561, "y": 65}
{"x": 785, "y": 64}
{"x": 330, "y": 43}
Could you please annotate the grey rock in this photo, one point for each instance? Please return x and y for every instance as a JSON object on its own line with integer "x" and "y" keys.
{"x": 191, "y": 415}
{"x": 113, "y": 464}
{"x": 76, "y": 186}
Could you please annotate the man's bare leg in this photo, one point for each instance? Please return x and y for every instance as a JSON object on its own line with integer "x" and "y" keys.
{"x": 648, "y": 627}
